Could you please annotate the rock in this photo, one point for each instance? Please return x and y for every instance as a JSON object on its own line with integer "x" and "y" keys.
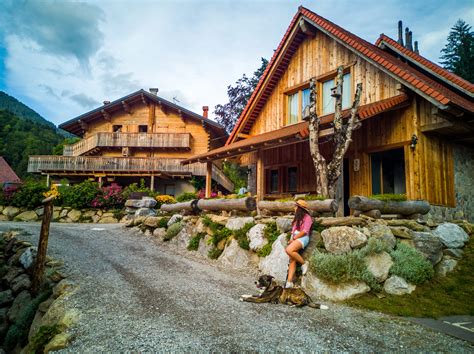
{"x": 218, "y": 219}
{"x": 181, "y": 240}
{"x": 174, "y": 219}
{"x": 402, "y": 232}
{"x": 35, "y": 325}
{"x": 159, "y": 232}
{"x": 200, "y": 227}
{"x": 89, "y": 214}
{"x": 453, "y": 252}
{"x": 238, "y": 223}
{"x": 56, "y": 276}
{"x": 257, "y": 237}
{"x": 44, "y": 306}
{"x": 74, "y": 215}
{"x": 383, "y": 233}
{"x": 107, "y": 220}
{"x": 22, "y": 300}
{"x": 451, "y": 235}
{"x": 398, "y": 286}
{"x": 145, "y": 202}
{"x": 27, "y": 216}
{"x": 235, "y": 257}
{"x": 283, "y": 224}
{"x": 145, "y": 212}
{"x": 334, "y": 292}
{"x": 152, "y": 221}
{"x": 21, "y": 283}
{"x": 63, "y": 287}
{"x": 59, "y": 341}
{"x": 39, "y": 211}
{"x": 64, "y": 212}
{"x": 55, "y": 215}
{"x": 205, "y": 246}
{"x": 10, "y": 211}
{"x": 6, "y": 297}
{"x": 12, "y": 273}
{"x": 107, "y": 214}
{"x": 3, "y": 324}
{"x": 411, "y": 224}
{"x": 429, "y": 245}
{"x": 4, "y": 218}
{"x": 379, "y": 265}
{"x": 27, "y": 258}
{"x": 221, "y": 244}
{"x": 276, "y": 263}
{"x": 342, "y": 239}
{"x": 445, "y": 266}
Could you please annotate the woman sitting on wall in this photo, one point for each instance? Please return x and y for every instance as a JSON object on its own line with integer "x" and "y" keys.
{"x": 300, "y": 233}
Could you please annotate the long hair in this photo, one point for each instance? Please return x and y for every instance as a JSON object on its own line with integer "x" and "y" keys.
{"x": 299, "y": 215}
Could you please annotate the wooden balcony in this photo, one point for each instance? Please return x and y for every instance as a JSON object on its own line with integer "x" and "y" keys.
{"x": 97, "y": 141}
{"x": 122, "y": 166}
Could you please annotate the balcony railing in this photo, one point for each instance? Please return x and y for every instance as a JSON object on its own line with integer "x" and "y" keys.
{"x": 134, "y": 140}
{"x": 85, "y": 165}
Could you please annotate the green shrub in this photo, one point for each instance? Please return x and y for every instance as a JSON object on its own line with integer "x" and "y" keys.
{"x": 375, "y": 246}
{"x": 314, "y": 197}
{"x": 78, "y": 196}
{"x": 134, "y": 187}
{"x": 194, "y": 242}
{"x": 220, "y": 234}
{"x": 271, "y": 233}
{"x": 186, "y": 196}
{"x": 410, "y": 264}
{"x": 389, "y": 197}
{"x": 214, "y": 253}
{"x": 173, "y": 230}
{"x": 42, "y": 337}
{"x": 163, "y": 222}
{"x": 241, "y": 235}
{"x": 29, "y": 195}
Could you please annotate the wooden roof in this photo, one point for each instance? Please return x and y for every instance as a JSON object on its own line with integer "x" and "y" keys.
{"x": 74, "y": 125}
{"x": 438, "y": 94}
{"x": 7, "y": 175}
{"x": 296, "y": 132}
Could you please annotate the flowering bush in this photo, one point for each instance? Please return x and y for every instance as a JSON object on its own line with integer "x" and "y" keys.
{"x": 7, "y": 193}
{"x": 78, "y": 196}
{"x": 53, "y": 192}
{"x": 164, "y": 199}
{"x": 29, "y": 195}
{"x": 201, "y": 194}
{"x": 109, "y": 197}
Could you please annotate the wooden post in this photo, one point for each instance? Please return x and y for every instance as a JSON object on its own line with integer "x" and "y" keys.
{"x": 260, "y": 176}
{"x": 47, "y": 180}
{"x": 42, "y": 245}
{"x": 152, "y": 183}
{"x": 208, "y": 179}
{"x": 100, "y": 181}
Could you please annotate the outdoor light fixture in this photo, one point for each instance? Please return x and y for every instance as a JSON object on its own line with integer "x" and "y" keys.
{"x": 414, "y": 141}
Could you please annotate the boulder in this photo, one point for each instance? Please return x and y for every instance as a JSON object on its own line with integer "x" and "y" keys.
{"x": 174, "y": 219}
{"x": 159, "y": 232}
{"x": 334, "y": 292}
{"x": 74, "y": 215}
{"x": 453, "y": 252}
{"x": 63, "y": 287}
{"x": 429, "y": 245}
{"x": 145, "y": 202}
{"x": 59, "y": 341}
{"x": 451, "y": 235}
{"x": 383, "y": 233}
{"x": 411, "y": 224}
{"x": 402, "y": 232}
{"x": 29, "y": 215}
{"x": 27, "y": 258}
{"x": 379, "y": 265}
{"x": 276, "y": 263}
{"x": 342, "y": 239}
{"x": 96, "y": 218}
{"x": 181, "y": 240}
{"x": 238, "y": 223}
{"x": 64, "y": 212}
{"x": 6, "y": 297}
{"x": 152, "y": 221}
{"x": 218, "y": 219}
{"x": 10, "y": 211}
{"x": 107, "y": 214}
{"x": 145, "y": 212}
{"x": 12, "y": 273}
{"x": 55, "y": 215}
{"x": 283, "y": 224}
{"x": 107, "y": 220}
{"x": 445, "y": 266}
{"x": 234, "y": 256}
{"x": 4, "y": 218}
{"x": 21, "y": 283}
{"x": 396, "y": 285}
{"x": 200, "y": 227}
{"x": 22, "y": 300}
{"x": 89, "y": 214}
{"x": 3, "y": 323}
{"x": 205, "y": 246}
{"x": 256, "y": 237}
{"x": 39, "y": 211}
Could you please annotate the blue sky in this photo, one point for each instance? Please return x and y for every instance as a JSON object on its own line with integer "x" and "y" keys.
{"x": 63, "y": 58}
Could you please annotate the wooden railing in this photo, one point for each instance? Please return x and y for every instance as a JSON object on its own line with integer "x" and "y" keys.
{"x": 141, "y": 140}
{"x": 122, "y": 165}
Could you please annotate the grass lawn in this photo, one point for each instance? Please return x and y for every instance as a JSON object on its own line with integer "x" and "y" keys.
{"x": 451, "y": 295}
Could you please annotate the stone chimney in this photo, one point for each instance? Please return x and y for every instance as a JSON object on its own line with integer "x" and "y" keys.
{"x": 400, "y": 32}
{"x": 205, "y": 110}
{"x": 106, "y": 102}
{"x": 416, "y": 48}
{"x": 153, "y": 90}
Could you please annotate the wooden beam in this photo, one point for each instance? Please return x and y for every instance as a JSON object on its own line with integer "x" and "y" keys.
{"x": 83, "y": 125}
{"x": 306, "y": 28}
{"x": 106, "y": 115}
{"x": 126, "y": 107}
{"x": 208, "y": 179}
{"x": 244, "y": 136}
{"x": 144, "y": 100}
{"x": 260, "y": 176}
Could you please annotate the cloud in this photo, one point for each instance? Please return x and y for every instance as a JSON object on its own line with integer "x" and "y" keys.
{"x": 84, "y": 100}
{"x": 58, "y": 28}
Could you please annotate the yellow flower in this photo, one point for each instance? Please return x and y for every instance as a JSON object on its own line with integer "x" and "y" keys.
{"x": 53, "y": 192}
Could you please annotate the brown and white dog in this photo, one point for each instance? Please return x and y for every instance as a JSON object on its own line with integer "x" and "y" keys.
{"x": 276, "y": 294}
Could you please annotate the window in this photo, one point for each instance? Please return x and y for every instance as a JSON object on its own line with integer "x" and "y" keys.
{"x": 304, "y": 100}
{"x": 292, "y": 181}
{"x": 117, "y": 128}
{"x": 328, "y": 102}
{"x": 142, "y": 128}
{"x": 273, "y": 181}
{"x": 169, "y": 189}
{"x": 293, "y": 108}
{"x": 388, "y": 172}
{"x": 297, "y": 101}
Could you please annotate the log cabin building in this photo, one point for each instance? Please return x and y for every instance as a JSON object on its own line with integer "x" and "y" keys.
{"x": 138, "y": 136}
{"x": 417, "y": 125}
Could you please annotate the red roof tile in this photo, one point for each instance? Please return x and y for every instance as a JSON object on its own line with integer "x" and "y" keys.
{"x": 6, "y": 173}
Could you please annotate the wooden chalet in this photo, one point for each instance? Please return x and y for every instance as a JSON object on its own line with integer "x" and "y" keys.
{"x": 7, "y": 175}
{"x": 414, "y": 115}
{"x": 137, "y": 136}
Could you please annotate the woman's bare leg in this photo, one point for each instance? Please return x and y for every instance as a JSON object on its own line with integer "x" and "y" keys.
{"x": 291, "y": 270}
{"x": 292, "y": 251}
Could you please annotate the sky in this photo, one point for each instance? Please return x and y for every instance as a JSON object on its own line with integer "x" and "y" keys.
{"x": 63, "y": 58}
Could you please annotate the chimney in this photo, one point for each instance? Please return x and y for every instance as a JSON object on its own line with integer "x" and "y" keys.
{"x": 400, "y": 32}
{"x": 416, "y": 48}
{"x": 153, "y": 90}
{"x": 407, "y": 36}
{"x": 205, "y": 110}
{"x": 106, "y": 102}
{"x": 410, "y": 43}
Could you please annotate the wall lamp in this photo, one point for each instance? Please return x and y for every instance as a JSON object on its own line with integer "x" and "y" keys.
{"x": 413, "y": 141}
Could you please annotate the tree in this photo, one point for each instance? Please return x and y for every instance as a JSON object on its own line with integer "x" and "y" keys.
{"x": 327, "y": 174}
{"x": 458, "y": 54}
{"x": 227, "y": 114}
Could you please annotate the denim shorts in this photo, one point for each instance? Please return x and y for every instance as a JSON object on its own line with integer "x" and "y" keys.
{"x": 304, "y": 241}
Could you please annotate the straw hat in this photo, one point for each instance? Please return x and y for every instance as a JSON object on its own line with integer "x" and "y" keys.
{"x": 303, "y": 204}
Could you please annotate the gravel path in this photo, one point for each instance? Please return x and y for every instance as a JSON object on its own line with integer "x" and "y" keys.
{"x": 135, "y": 294}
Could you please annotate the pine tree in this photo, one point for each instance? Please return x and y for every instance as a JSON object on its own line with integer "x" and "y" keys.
{"x": 458, "y": 54}
{"x": 227, "y": 114}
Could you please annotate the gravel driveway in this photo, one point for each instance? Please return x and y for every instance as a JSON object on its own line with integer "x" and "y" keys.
{"x": 135, "y": 294}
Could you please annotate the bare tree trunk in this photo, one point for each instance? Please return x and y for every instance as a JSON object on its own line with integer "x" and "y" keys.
{"x": 318, "y": 160}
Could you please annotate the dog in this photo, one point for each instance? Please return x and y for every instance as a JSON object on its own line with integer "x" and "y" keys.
{"x": 276, "y": 294}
